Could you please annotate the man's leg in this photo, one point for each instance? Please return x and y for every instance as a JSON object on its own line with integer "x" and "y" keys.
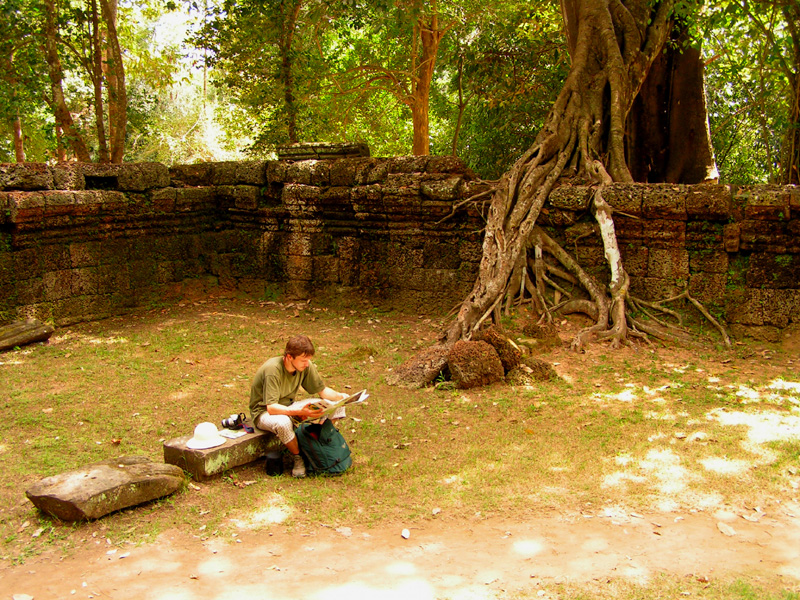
{"x": 281, "y": 426}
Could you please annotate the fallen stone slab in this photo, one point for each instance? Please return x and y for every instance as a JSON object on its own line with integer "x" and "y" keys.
{"x": 20, "y": 333}
{"x": 100, "y": 488}
{"x": 204, "y": 463}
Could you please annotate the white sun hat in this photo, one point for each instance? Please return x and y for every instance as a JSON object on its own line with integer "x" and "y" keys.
{"x": 206, "y": 435}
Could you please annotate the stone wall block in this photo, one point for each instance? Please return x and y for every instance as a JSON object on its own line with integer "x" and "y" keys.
{"x": 84, "y": 281}
{"x": 369, "y": 171}
{"x": 624, "y": 197}
{"x": 298, "y": 244}
{"x": 764, "y": 203}
{"x": 403, "y": 184}
{"x": 57, "y": 285}
{"x": 446, "y": 189}
{"x": 68, "y": 176}
{"x": 663, "y": 233}
{"x": 709, "y": 288}
{"x": 708, "y": 261}
{"x": 731, "y": 235}
{"x": 571, "y": 198}
{"x": 25, "y": 206}
{"x": 655, "y": 288}
{"x": 664, "y": 201}
{"x": 768, "y": 270}
{"x": 765, "y": 235}
{"x": 84, "y": 254}
{"x": 163, "y": 200}
{"x": 224, "y": 172}
{"x": 277, "y": 171}
{"x": 251, "y": 172}
{"x": 325, "y": 269}
{"x": 666, "y": 263}
{"x": 300, "y": 267}
{"x": 301, "y": 199}
{"x": 197, "y": 198}
{"x": 125, "y": 177}
{"x": 407, "y": 164}
{"x": 704, "y": 235}
{"x": 765, "y": 307}
{"x": 87, "y": 202}
{"x": 636, "y": 259}
{"x": 451, "y": 165}
{"x": 27, "y": 176}
{"x": 709, "y": 202}
{"x": 199, "y": 174}
{"x": 59, "y": 202}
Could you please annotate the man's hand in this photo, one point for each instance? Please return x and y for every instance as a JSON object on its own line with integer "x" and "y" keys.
{"x": 308, "y": 413}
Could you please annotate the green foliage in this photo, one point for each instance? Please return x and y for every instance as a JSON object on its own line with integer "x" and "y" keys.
{"x": 749, "y": 50}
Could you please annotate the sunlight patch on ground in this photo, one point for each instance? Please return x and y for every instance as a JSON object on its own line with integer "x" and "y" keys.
{"x": 748, "y": 394}
{"x": 108, "y": 340}
{"x": 179, "y": 395}
{"x": 623, "y": 396}
{"x": 528, "y": 547}
{"x": 3, "y": 448}
{"x": 762, "y": 427}
{"x": 725, "y": 466}
{"x": 417, "y": 589}
{"x": 665, "y": 466}
{"x": 620, "y": 478}
{"x": 275, "y": 511}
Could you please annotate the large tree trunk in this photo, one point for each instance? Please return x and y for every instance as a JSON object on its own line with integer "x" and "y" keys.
{"x": 668, "y": 137}
{"x": 55, "y": 72}
{"x": 613, "y": 45}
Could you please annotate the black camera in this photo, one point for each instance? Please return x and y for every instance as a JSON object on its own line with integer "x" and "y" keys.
{"x": 234, "y": 422}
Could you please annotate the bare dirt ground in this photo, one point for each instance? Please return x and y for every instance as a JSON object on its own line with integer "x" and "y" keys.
{"x": 479, "y": 559}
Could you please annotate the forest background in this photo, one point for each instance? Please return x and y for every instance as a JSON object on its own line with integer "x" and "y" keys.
{"x": 182, "y": 82}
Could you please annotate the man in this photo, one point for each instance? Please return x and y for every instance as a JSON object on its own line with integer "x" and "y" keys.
{"x": 273, "y": 391}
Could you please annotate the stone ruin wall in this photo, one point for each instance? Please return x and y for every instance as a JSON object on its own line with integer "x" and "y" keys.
{"x": 86, "y": 241}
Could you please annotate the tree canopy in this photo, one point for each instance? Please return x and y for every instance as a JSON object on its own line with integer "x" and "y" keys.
{"x": 186, "y": 81}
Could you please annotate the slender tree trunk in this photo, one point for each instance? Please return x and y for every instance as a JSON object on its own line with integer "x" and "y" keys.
{"x": 287, "y": 69}
{"x": 55, "y": 72}
{"x": 791, "y": 145}
{"x": 19, "y": 140}
{"x": 115, "y": 78}
{"x": 424, "y": 62}
{"x": 97, "y": 83}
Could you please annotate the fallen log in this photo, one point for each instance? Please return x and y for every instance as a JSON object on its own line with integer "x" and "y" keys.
{"x": 20, "y": 333}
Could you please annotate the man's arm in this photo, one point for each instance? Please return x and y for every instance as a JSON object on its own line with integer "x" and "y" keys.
{"x": 301, "y": 413}
{"x": 332, "y": 395}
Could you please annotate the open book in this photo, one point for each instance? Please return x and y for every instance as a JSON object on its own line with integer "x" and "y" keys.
{"x": 332, "y": 410}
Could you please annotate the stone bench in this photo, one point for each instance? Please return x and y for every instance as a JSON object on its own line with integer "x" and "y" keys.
{"x": 205, "y": 463}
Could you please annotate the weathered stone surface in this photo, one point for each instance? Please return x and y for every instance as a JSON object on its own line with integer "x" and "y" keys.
{"x": 421, "y": 369}
{"x": 205, "y": 463}
{"x": 98, "y": 489}
{"x": 28, "y": 176}
{"x": 510, "y": 355}
{"x": 21, "y": 333}
{"x": 474, "y": 364}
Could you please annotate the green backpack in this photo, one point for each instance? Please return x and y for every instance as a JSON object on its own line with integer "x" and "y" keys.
{"x": 324, "y": 449}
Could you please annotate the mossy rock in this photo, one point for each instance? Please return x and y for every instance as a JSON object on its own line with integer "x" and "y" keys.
{"x": 474, "y": 364}
{"x": 510, "y": 355}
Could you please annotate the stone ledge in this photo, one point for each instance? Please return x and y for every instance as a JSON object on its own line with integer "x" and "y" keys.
{"x": 204, "y": 464}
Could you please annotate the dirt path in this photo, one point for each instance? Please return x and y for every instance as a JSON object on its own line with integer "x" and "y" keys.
{"x": 483, "y": 559}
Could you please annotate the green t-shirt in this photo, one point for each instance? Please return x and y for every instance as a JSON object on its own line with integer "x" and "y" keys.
{"x": 274, "y": 384}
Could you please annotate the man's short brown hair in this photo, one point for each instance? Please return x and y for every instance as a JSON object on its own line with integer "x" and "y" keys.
{"x": 297, "y": 345}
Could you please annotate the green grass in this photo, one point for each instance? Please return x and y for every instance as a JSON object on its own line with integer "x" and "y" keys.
{"x": 604, "y": 434}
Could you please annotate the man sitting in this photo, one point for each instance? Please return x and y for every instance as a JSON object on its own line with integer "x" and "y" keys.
{"x": 273, "y": 391}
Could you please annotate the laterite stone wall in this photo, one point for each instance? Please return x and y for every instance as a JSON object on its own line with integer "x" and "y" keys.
{"x": 85, "y": 241}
